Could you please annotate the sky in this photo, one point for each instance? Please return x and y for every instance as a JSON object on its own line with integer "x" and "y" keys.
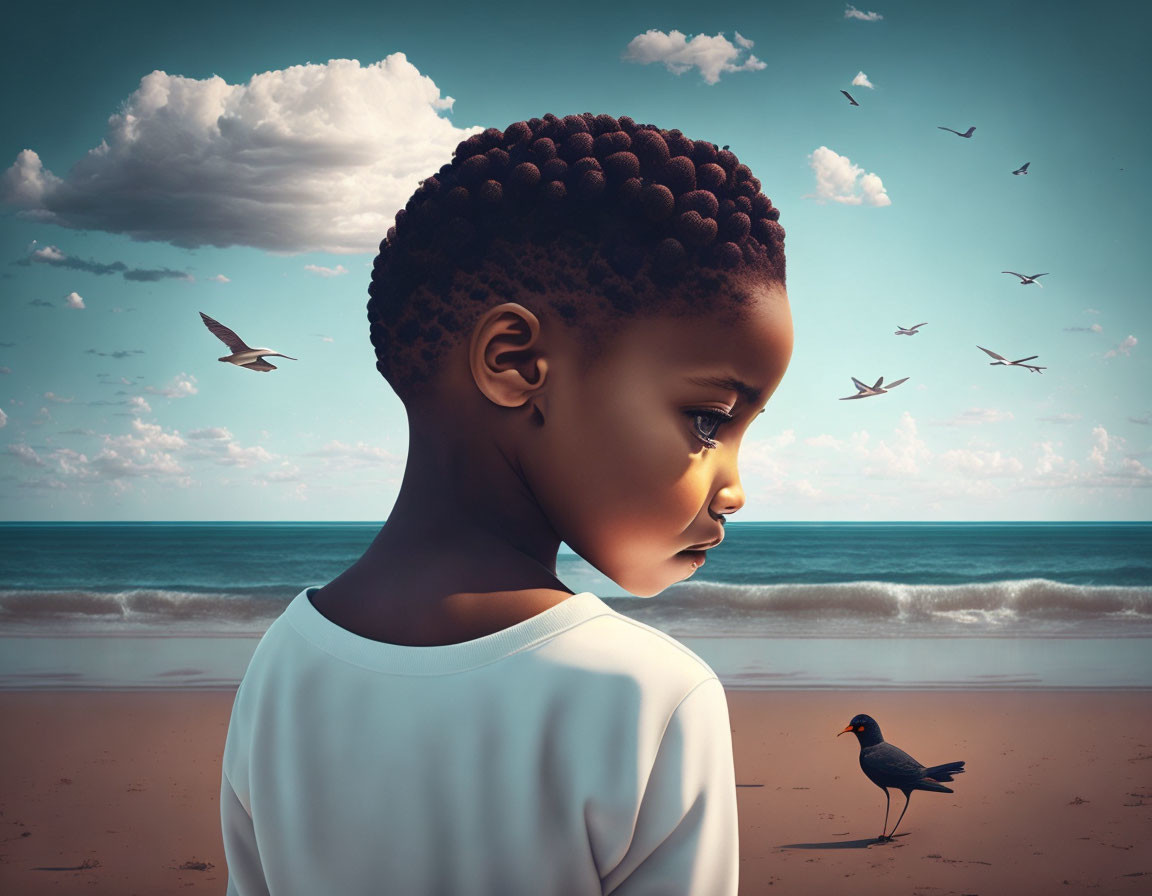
{"x": 244, "y": 160}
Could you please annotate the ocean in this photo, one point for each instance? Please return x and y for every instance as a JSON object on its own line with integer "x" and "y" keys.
{"x": 797, "y": 605}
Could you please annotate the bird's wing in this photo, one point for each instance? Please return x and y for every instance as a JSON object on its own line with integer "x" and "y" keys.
{"x": 918, "y": 326}
{"x": 946, "y": 129}
{"x": 879, "y": 383}
{"x": 225, "y": 335}
{"x": 890, "y": 764}
{"x": 1024, "y": 167}
{"x": 857, "y": 395}
{"x": 991, "y": 353}
{"x": 259, "y": 364}
{"x": 897, "y": 383}
{"x": 969, "y": 132}
{"x": 860, "y": 385}
{"x": 1029, "y": 358}
{"x": 1034, "y": 276}
{"x": 1014, "y": 274}
{"x": 850, "y": 99}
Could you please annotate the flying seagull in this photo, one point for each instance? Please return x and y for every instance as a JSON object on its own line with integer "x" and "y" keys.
{"x": 242, "y": 355}
{"x": 1004, "y": 362}
{"x": 1024, "y": 280}
{"x": 863, "y": 391}
{"x": 847, "y": 94}
{"x": 967, "y": 133}
{"x": 889, "y": 766}
{"x": 1023, "y": 169}
{"x": 909, "y": 331}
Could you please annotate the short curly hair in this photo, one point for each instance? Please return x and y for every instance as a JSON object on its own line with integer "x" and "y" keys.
{"x": 588, "y": 217}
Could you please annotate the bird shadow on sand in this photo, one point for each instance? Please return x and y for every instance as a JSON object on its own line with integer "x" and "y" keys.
{"x": 839, "y": 844}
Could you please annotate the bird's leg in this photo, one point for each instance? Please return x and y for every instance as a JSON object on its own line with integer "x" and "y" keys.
{"x": 887, "y": 803}
{"x": 907, "y": 797}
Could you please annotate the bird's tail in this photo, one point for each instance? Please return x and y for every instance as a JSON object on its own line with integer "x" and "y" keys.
{"x": 944, "y": 772}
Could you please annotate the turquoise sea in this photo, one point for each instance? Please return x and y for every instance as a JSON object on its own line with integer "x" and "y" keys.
{"x": 798, "y": 605}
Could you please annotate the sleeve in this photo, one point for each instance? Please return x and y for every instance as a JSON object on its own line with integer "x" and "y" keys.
{"x": 685, "y": 839}
{"x": 245, "y": 873}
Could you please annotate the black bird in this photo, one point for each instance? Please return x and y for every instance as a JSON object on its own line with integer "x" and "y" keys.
{"x": 967, "y": 133}
{"x": 888, "y": 766}
{"x": 847, "y": 94}
{"x": 1023, "y": 169}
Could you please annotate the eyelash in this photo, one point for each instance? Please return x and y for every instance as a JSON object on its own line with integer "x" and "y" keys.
{"x": 719, "y": 417}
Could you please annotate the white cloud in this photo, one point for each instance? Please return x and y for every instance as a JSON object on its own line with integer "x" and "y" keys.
{"x": 712, "y": 55}
{"x": 853, "y": 13}
{"x": 138, "y": 405}
{"x": 219, "y": 278}
{"x": 181, "y": 386}
{"x": 979, "y": 463}
{"x": 861, "y": 80}
{"x": 27, "y": 183}
{"x": 52, "y": 396}
{"x": 743, "y": 41}
{"x": 841, "y": 181}
{"x": 26, "y": 454}
{"x": 73, "y": 300}
{"x": 212, "y": 432}
{"x": 1124, "y": 348}
{"x": 49, "y": 254}
{"x": 321, "y": 271}
{"x": 977, "y": 416}
{"x": 1101, "y": 442}
{"x": 311, "y": 157}
{"x": 3, "y": 419}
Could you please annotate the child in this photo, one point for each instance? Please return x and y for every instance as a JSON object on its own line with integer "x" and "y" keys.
{"x": 582, "y": 317}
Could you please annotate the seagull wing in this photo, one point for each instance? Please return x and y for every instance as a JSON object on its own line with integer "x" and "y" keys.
{"x": 860, "y": 386}
{"x": 941, "y": 127}
{"x": 850, "y": 99}
{"x": 897, "y": 383}
{"x": 1034, "y": 276}
{"x": 991, "y": 353}
{"x": 857, "y": 395}
{"x": 969, "y": 132}
{"x": 918, "y": 326}
{"x": 1014, "y": 274}
{"x": 1023, "y": 168}
{"x": 225, "y": 335}
{"x": 259, "y": 364}
{"x": 879, "y": 383}
{"x": 1029, "y": 358}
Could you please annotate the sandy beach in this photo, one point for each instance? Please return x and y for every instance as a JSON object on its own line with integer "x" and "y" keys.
{"x": 116, "y": 792}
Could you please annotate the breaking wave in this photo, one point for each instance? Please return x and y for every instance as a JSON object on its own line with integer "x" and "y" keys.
{"x": 1020, "y": 608}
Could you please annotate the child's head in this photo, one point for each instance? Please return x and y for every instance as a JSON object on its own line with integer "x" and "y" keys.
{"x": 621, "y": 289}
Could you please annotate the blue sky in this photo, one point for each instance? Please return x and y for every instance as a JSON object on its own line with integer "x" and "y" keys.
{"x": 138, "y": 204}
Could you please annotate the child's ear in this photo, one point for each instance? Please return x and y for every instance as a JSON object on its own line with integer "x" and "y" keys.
{"x": 505, "y": 355}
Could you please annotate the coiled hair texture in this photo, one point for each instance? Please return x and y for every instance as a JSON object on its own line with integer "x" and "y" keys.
{"x": 629, "y": 218}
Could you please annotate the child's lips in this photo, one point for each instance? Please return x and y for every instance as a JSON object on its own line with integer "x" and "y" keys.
{"x": 697, "y": 557}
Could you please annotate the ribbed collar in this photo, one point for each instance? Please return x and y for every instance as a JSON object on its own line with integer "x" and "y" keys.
{"x": 399, "y": 659}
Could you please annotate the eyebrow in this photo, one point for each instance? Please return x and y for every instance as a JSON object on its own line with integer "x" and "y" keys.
{"x": 749, "y": 393}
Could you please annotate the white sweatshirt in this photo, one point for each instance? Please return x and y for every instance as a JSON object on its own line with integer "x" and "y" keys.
{"x": 577, "y": 752}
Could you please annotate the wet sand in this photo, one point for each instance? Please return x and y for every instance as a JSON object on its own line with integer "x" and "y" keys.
{"x": 117, "y": 792}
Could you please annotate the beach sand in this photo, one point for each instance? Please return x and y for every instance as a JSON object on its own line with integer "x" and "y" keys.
{"x": 117, "y": 793}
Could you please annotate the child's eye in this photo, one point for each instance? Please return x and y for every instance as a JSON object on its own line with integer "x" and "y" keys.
{"x": 706, "y": 423}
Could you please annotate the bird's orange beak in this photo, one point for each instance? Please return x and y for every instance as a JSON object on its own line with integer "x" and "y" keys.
{"x": 845, "y": 731}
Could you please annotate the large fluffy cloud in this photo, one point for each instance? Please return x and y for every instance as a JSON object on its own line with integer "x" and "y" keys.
{"x": 841, "y": 181}
{"x": 711, "y": 55}
{"x": 313, "y": 157}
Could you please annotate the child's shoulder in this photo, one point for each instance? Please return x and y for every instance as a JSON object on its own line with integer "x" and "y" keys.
{"x": 614, "y": 642}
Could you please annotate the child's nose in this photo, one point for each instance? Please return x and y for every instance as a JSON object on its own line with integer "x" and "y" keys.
{"x": 729, "y": 497}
